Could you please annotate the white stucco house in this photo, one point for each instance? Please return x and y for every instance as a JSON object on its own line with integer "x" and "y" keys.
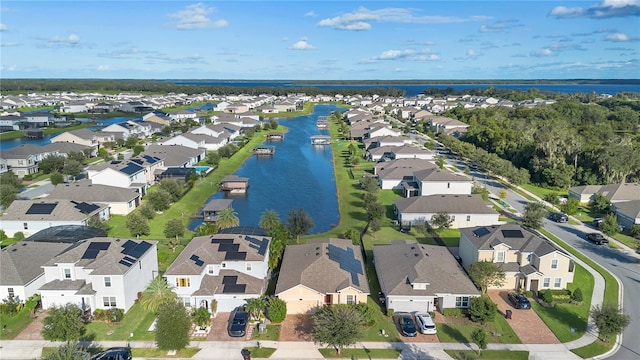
{"x": 100, "y": 273}
{"x": 465, "y": 210}
{"x": 227, "y": 268}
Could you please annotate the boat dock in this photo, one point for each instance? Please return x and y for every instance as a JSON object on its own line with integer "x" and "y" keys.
{"x": 275, "y": 136}
{"x": 321, "y": 140}
{"x": 264, "y": 150}
{"x": 323, "y": 122}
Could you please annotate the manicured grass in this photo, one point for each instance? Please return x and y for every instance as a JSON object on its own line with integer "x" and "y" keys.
{"x": 13, "y": 325}
{"x": 150, "y": 353}
{"x": 488, "y": 354}
{"x": 541, "y": 192}
{"x": 382, "y": 322}
{"x": 450, "y": 237}
{"x": 594, "y": 349}
{"x": 365, "y": 353}
{"x": 563, "y": 317}
{"x": 136, "y": 321}
{"x": 273, "y": 334}
{"x": 462, "y": 333}
{"x": 261, "y": 352}
{"x": 307, "y": 109}
{"x": 627, "y": 240}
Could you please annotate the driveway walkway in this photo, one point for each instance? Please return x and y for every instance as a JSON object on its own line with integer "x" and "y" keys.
{"x": 525, "y": 323}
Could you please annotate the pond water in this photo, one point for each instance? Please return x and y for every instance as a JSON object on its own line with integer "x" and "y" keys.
{"x": 299, "y": 175}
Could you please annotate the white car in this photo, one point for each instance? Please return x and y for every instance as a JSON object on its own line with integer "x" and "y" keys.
{"x": 425, "y": 323}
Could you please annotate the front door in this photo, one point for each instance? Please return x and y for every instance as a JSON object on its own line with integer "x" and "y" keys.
{"x": 534, "y": 286}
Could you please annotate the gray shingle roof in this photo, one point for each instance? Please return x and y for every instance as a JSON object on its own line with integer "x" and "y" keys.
{"x": 64, "y": 210}
{"x": 84, "y": 191}
{"x": 512, "y": 235}
{"x": 22, "y": 262}
{"x": 452, "y": 204}
{"x": 405, "y": 262}
{"x": 436, "y": 174}
{"x": 312, "y": 265}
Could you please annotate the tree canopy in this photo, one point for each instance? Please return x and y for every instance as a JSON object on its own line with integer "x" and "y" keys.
{"x": 299, "y": 222}
{"x": 338, "y": 326}
{"x": 487, "y": 274}
{"x": 157, "y": 293}
{"x": 172, "y": 326}
{"x": 63, "y": 323}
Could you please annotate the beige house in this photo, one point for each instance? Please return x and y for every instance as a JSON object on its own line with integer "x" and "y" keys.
{"x": 322, "y": 272}
{"x": 530, "y": 262}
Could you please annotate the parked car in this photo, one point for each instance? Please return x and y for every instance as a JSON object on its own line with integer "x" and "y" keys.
{"x": 597, "y": 238}
{"x": 115, "y": 353}
{"x": 381, "y": 298}
{"x": 559, "y": 218}
{"x": 425, "y": 323}
{"x": 519, "y": 301}
{"x": 408, "y": 326}
{"x": 597, "y": 222}
{"x": 238, "y": 323}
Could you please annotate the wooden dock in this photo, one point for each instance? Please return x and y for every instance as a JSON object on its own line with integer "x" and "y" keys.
{"x": 322, "y": 122}
{"x": 275, "y": 136}
{"x": 264, "y": 150}
{"x": 320, "y": 140}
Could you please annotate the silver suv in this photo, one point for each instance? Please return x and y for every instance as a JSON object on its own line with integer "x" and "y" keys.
{"x": 425, "y": 323}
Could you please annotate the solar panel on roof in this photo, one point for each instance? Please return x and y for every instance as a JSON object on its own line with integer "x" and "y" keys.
{"x": 512, "y": 234}
{"x": 229, "y": 247}
{"x": 234, "y": 289}
{"x": 128, "y": 246}
{"x": 199, "y": 262}
{"x": 140, "y": 249}
{"x": 264, "y": 245}
{"x": 194, "y": 257}
{"x": 129, "y": 259}
{"x": 131, "y": 169}
{"x": 99, "y": 245}
{"x": 347, "y": 261}
{"x": 221, "y": 241}
{"x": 229, "y": 279}
{"x": 481, "y": 232}
{"x": 125, "y": 263}
{"x": 90, "y": 254}
{"x": 236, "y": 255}
{"x": 41, "y": 209}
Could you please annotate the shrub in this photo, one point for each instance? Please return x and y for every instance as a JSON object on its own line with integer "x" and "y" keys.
{"x": 27, "y": 177}
{"x": 453, "y": 312}
{"x": 577, "y": 295}
{"x": 528, "y": 293}
{"x": 390, "y": 312}
{"x": 367, "y": 313}
{"x": 482, "y": 309}
{"x": 114, "y": 315}
{"x": 19, "y": 236}
{"x": 546, "y": 296}
{"x": 276, "y": 310}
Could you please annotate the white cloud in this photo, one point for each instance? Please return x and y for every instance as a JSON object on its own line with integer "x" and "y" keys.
{"x": 3, "y": 28}
{"x": 71, "y": 40}
{"x": 362, "y": 18}
{"x": 8, "y": 44}
{"x": 103, "y": 68}
{"x": 405, "y": 55}
{"x": 472, "y": 54}
{"x": 310, "y": 14}
{"x": 618, "y": 37}
{"x": 195, "y": 16}
{"x": 543, "y": 53}
{"x": 301, "y": 44}
{"x": 605, "y": 9}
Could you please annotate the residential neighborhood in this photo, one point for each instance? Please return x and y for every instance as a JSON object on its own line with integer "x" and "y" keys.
{"x": 418, "y": 218}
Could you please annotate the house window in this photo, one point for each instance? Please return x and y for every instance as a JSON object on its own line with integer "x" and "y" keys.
{"x": 248, "y": 266}
{"x": 185, "y": 301}
{"x": 25, "y": 226}
{"x": 351, "y": 299}
{"x": 546, "y": 282}
{"x": 67, "y": 273}
{"x": 468, "y": 217}
{"x": 557, "y": 282}
{"x": 554, "y": 263}
{"x": 107, "y": 281}
{"x": 210, "y": 270}
{"x": 11, "y": 292}
{"x": 224, "y": 265}
{"x": 500, "y": 256}
{"x": 448, "y": 185}
{"x": 462, "y": 301}
{"x": 109, "y": 301}
{"x": 529, "y": 257}
{"x": 183, "y": 282}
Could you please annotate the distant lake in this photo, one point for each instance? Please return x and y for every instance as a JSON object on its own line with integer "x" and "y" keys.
{"x": 415, "y": 89}
{"x": 299, "y": 175}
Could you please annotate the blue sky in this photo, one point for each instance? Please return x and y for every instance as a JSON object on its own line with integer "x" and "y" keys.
{"x": 337, "y": 40}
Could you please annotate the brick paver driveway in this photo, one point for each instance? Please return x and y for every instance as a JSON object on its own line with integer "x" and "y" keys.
{"x": 296, "y": 328}
{"x": 526, "y": 323}
{"x": 219, "y": 326}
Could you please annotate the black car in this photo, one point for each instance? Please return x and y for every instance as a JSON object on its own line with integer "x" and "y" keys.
{"x": 381, "y": 298}
{"x": 519, "y": 301}
{"x": 238, "y": 323}
{"x": 559, "y": 218}
{"x": 408, "y": 326}
{"x": 597, "y": 238}
{"x": 116, "y": 353}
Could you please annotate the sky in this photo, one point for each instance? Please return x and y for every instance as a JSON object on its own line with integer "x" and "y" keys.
{"x": 320, "y": 40}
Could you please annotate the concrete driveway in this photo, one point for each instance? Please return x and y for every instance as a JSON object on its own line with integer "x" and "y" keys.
{"x": 525, "y": 323}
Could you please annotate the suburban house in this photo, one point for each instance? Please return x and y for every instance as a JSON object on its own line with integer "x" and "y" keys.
{"x": 628, "y": 213}
{"x": 176, "y": 155}
{"x": 84, "y": 137}
{"x": 225, "y": 268}
{"x": 120, "y": 201}
{"x": 381, "y": 141}
{"x": 100, "y": 273}
{"x": 322, "y": 272}
{"x": 20, "y": 162}
{"x": 465, "y": 210}
{"x": 129, "y": 128}
{"x": 21, "y": 263}
{"x": 31, "y": 216}
{"x": 151, "y": 165}
{"x": 212, "y": 209}
{"x": 530, "y": 262}
{"x": 417, "y": 277}
{"x": 190, "y": 140}
{"x": 157, "y": 118}
{"x": 437, "y": 181}
{"x": 399, "y": 152}
{"x": 123, "y": 174}
{"x": 614, "y": 192}
{"x": 448, "y": 126}
{"x": 417, "y": 164}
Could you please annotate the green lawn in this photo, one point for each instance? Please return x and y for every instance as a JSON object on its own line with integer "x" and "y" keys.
{"x": 563, "y": 317}
{"x": 594, "y": 349}
{"x": 488, "y": 354}
{"x": 450, "y": 237}
{"x": 273, "y": 334}
{"x": 363, "y": 353}
{"x": 13, "y": 325}
{"x": 541, "y": 192}
{"x": 461, "y": 333}
{"x": 151, "y": 353}
{"x": 630, "y": 241}
{"x": 260, "y": 353}
{"x": 136, "y": 321}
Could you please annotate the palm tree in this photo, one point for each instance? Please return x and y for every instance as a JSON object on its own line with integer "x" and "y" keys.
{"x": 255, "y": 307}
{"x": 158, "y": 292}
{"x": 269, "y": 219}
{"x": 227, "y": 218}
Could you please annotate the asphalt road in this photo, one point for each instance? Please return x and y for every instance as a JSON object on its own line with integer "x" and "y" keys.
{"x": 623, "y": 265}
